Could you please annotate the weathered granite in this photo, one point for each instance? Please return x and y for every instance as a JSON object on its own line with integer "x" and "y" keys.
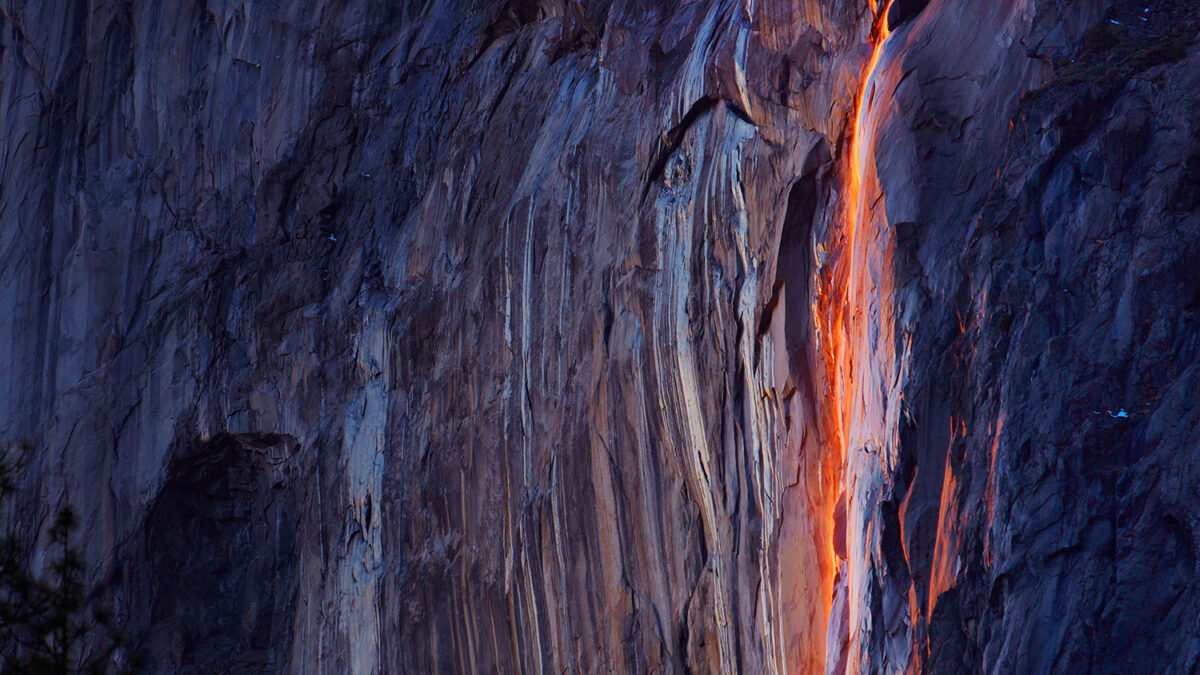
{"x": 550, "y": 335}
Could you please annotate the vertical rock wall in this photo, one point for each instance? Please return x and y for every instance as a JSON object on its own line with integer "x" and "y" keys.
{"x": 532, "y": 336}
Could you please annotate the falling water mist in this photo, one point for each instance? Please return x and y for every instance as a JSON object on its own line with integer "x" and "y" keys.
{"x": 854, "y": 332}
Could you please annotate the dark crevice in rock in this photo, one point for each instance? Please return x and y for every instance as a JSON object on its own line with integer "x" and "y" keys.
{"x": 739, "y": 112}
{"x": 793, "y": 267}
{"x": 670, "y": 142}
{"x": 508, "y": 17}
{"x": 904, "y": 10}
{"x": 785, "y": 81}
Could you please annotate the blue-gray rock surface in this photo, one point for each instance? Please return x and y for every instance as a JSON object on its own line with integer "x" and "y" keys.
{"x": 614, "y": 335}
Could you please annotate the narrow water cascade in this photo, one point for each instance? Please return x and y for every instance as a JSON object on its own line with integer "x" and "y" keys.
{"x": 854, "y": 329}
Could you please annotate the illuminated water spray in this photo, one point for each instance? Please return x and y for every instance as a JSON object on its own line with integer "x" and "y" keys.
{"x": 854, "y": 325}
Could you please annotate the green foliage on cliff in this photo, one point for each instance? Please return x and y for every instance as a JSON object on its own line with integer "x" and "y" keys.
{"x": 48, "y": 624}
{"x": 1133, "y": 38}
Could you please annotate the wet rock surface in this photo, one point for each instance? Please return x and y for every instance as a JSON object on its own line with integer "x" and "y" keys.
{"x": 437, "y": 336}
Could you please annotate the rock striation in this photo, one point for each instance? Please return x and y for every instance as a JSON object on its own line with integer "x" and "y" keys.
{"x": 626, "y": 335}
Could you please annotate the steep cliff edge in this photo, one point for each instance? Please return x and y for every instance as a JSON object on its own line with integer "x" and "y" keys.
{"x": 539, "y": 335}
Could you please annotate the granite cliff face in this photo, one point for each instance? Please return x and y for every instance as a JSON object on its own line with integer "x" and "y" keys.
{"x": 516, "y": 335}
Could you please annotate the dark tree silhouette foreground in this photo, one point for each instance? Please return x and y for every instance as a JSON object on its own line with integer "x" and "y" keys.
{"x": 48, "y": 624}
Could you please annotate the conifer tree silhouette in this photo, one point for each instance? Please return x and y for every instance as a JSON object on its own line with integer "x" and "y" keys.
{"x": 48, "y": 623}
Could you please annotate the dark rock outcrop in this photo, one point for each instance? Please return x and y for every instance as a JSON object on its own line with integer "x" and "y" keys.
{"x": 218, "y": 567}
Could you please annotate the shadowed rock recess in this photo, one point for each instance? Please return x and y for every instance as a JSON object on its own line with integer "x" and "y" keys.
{"x": 800, "y": 336}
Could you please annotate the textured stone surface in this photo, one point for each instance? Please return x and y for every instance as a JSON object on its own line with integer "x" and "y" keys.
{"x": 545, "y": 336}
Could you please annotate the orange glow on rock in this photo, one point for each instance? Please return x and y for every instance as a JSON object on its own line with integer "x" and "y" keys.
{"x": 853, "y": 299}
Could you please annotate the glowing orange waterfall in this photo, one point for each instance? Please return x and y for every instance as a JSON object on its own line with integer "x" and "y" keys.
{"x": 854, "y": 333}
{"x": 856, "y": 215}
